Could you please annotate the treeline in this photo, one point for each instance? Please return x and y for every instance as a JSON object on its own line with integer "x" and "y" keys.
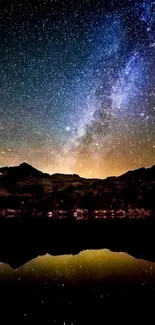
{"x": 84, "y": 199}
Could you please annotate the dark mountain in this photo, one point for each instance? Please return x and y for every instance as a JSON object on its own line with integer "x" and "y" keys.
{"x": 141, "y": 174}
{"x": 20, "y": 172}
{"x": 35, "y": 189}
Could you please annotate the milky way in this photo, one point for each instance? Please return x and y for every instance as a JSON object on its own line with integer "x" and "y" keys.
{"x": 77, "y": 85}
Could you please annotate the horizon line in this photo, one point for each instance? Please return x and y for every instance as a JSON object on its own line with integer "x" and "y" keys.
{"x": 59, "y": 173}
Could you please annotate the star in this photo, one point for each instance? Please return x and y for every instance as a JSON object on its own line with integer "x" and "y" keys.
{"x": 77, "y": 86}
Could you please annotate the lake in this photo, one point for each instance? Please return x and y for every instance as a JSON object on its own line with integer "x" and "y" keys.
{"x": 75, "y": 272}
{"x": 67, "y": 287}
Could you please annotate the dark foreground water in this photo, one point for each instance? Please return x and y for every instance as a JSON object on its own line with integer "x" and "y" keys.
{"x": 70, "y": 289}
{"x": 90, "y": 286}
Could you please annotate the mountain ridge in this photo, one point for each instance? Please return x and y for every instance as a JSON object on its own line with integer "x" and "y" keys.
{"x": 25, "y": 185}
{"x": 29, "y": 167}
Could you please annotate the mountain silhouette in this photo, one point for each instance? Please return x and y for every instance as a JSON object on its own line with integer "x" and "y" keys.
{"x": 133, "y": 189}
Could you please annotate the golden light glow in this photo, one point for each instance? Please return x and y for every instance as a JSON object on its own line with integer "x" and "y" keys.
{"x": 94, "y": 265}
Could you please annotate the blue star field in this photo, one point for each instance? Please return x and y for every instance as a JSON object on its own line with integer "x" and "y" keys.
{"x": 77, "y": 85}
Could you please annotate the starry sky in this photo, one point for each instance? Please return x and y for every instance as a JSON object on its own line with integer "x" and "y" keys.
{"x": 77, "y": 85}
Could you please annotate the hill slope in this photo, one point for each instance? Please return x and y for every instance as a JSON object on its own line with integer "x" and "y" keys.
{"x": 36, "y": 189}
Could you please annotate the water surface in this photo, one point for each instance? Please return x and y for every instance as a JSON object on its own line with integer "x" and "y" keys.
{"x": 70, "y": 289}
{"x": 92, "y": 265}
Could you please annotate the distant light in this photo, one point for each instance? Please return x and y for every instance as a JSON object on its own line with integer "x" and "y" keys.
{"x": 152, "y": 44}
{"x": 68, "y": 128}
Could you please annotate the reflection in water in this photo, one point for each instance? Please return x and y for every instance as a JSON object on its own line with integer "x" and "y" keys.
{"x": 89, "y": 265}
{"x": 71, "y": 289}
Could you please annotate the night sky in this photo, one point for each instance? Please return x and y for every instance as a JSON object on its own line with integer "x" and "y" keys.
{"x": 77, "y": 85}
